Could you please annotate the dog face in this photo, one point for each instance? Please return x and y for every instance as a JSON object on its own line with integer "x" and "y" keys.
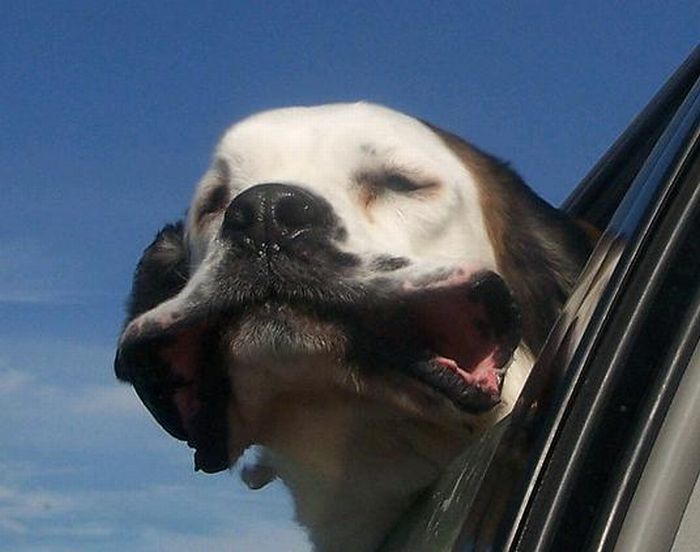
{"x": 335, "y": 295}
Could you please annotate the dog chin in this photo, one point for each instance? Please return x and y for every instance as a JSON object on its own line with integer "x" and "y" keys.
{"x": 275, "y": 353}
{"x": 284, "y": 362}
{"x": 278, "y": 333}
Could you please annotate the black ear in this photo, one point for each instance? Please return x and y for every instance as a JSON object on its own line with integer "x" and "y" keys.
{"x": 162, "y": 271}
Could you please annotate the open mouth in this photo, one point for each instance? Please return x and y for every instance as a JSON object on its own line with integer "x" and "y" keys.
{"x": 467, "y": 331}
{"x": 456, "y": 334}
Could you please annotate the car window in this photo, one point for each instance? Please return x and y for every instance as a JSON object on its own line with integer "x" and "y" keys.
{"x": 469, "y": 507}
{"x": 638, "y": 352}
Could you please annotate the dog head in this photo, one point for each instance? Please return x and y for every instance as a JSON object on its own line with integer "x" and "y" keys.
{"x": 341, "y": 263}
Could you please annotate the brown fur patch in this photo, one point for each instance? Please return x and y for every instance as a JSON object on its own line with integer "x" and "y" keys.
{"x": 539, "y": 250}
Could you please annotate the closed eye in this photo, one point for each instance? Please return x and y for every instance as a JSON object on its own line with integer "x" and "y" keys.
{"x": 400, "y": 183}
{"x": 376, "y": 182}
{"x": 217, "y": 196}
{"x": 214, "y": 201}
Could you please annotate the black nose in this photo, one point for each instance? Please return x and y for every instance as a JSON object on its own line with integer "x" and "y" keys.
{"x": 274, "y": 214}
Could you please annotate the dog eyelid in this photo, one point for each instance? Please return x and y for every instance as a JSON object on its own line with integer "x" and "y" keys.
{"x": 395, "y": 181}
{"x": 216, "y": 196}
{"x": 215, "y": 200}
{"x": 400, "y": 183}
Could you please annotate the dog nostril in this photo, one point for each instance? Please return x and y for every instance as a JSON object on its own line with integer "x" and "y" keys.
{"x": 295, "y": 212}
{"x": 269, "y": 214}
{"x": 240, "y": 217}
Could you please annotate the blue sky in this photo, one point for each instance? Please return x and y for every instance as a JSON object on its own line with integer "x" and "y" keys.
{"x": 109, "y": 111}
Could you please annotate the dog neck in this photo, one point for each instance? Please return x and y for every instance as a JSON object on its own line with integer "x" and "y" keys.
{"x": 351, "y": 514}
{"x": 353, "y": 466}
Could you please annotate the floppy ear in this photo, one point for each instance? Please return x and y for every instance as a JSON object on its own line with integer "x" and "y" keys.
{"x": 162, "y": 271}
{"x": 188, "y": 406}
{"x": 160, "y": 274}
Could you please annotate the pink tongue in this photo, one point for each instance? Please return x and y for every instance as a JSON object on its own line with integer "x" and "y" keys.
{"x": 457, "y": 329}
{"x": 484, "y": 376}
{"x": 183, "y": 357}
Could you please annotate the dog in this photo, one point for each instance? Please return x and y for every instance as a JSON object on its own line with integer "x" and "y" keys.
{"x": 357, "y": 292}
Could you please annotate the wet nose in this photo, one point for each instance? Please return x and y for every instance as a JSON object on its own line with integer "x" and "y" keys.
{"x": 272, "y": 214}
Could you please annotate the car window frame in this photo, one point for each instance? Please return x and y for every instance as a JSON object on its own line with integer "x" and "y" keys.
{"x": 497, "y": 479}
{"x": 533, "y": 517}
{"x": 651, "y": 332}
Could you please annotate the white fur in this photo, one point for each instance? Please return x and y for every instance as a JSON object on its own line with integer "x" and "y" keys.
{"x": 321, "y": 148}
{"x": 354, "y": 457}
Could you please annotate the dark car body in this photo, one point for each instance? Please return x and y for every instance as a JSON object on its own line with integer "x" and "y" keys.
{"x": 591, "y": 457}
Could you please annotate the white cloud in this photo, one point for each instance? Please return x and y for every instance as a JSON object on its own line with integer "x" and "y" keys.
{"x": 265, "y": 536}
{"x": 110, "y": 400}
{"x": 159, "y": 517}
{"x": 89, "y": 530}
{"x": 60, "y": 397}
{"x": 13, "y": 381}
{"x": 83, "y": 466}
{"x": 57, "y": 360}
{"x": 53, "y": 415}
{"x": 11, "y": 526}
{"x": 30, "y": 273}
{"x": 118, "y": 400}
{"x": 20, "y": 471}
{"x": 18, "y": 509}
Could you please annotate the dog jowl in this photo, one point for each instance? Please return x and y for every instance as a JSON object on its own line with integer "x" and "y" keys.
{"x": 354, "y": 291}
